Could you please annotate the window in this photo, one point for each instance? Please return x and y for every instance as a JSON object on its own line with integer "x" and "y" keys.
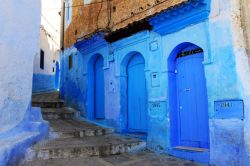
{"x": 41, "y": 59}
{"x": 87, "y": 2}
{"x": 53, "y": 69}
{"x": 70, "y": 62}
{"x": 68, "y": 11}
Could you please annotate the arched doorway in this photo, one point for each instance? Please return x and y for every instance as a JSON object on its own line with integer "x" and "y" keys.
{"x": 57, "y": 76}
{"x": 137, "y": 94}
{"x": 99, "y": 89}
{"x": 189, "y": 108}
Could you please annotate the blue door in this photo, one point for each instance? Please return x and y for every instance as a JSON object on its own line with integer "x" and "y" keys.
{"x": 57, "y": 83}
{"x": 192, "y": 101}
{"x": 137, "y": 96}
{"x": 99, "y": 89}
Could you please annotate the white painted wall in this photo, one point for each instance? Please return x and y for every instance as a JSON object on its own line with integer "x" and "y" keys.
{"x": 19, "y": 43}
{"x": 49, "y": 37}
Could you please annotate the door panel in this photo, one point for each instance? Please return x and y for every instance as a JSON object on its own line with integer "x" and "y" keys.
{"x": 192, "y": 101}
{"x": 99, "y": 89}
{"x": 137, "y": 96}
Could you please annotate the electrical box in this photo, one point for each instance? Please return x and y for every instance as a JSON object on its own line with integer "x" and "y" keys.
{"x": 155, "y": 79}
{"x": 226, "y": 109}
{"x": 154, "y": 46}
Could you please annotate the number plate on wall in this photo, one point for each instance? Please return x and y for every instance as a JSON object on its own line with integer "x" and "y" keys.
{"x": 226, "y": 109}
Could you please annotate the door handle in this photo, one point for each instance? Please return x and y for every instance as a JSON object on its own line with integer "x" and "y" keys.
{"x": 187, "y": 89}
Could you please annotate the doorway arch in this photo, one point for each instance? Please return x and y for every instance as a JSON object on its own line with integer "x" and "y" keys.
{"x": 99, "y": 89}
{"x": 57, "y": 75}
{"x": 95, "y": 85}
{"x": 136, "y": 94}
{"x": 188, "y": 97}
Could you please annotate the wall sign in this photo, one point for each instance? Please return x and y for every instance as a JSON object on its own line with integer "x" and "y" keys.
{"x": 155, "y": 79}
{"x": 226, "y": 109}
{"x": 157, "y": 109}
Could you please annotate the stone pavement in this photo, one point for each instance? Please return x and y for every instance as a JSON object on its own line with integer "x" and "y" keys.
{"x": 73, "y": 142}
{"x": 144, "y": 158}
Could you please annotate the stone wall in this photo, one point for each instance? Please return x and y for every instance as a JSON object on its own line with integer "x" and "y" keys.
{"x": 245, "y": 8}
{"x": 109, "y": 15}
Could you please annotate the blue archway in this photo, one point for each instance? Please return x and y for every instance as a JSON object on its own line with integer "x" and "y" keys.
{"x": 132, "y": 70}
{"x": 188, "y": 115}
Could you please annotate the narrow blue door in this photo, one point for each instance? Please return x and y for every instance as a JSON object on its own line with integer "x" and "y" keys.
{"x": 57, "y": 76}
{"x": 137, "y": 96}
{"x": 99, "y": 89}
{"x": 192, "y": 101}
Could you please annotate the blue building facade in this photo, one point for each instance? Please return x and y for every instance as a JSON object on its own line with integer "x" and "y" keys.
{"x": 182, "y": 84}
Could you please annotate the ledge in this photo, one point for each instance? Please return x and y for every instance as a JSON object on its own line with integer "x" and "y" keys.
{"x": 180, "y": 16}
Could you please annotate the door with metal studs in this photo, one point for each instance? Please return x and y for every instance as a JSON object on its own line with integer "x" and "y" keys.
{"x": 192, "y": 101}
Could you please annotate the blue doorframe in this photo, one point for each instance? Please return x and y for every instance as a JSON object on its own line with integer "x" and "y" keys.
{"x": 137, "y": 95}
{"x": 183, "y": 95}
{"x": 99, "y": 89}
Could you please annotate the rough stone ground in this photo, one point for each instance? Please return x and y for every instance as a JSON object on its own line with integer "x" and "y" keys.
{"x": 67, "y": 132}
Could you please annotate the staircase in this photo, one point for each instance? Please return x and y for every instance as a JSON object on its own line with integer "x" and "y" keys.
{"x": 72, "y": 138}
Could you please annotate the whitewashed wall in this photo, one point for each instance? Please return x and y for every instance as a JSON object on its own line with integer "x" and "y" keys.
{"x": 19, "y": 43}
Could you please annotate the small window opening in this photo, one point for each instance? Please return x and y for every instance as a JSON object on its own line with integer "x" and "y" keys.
{"x": 70, "y": 62}
{"x": 41, "y": 59}
{"x": 53, "y": 69}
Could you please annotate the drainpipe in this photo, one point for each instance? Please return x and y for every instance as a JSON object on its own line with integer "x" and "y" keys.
{"x": 62, "y": 25}
{"x": 62, "y": 47}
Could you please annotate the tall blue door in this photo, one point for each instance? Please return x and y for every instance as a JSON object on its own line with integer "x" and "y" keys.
{"x": 99, "y": 89}
{"x": 192, "y": 102}
{"x": 57, "y": 76}
{"x": 137, "y": 96}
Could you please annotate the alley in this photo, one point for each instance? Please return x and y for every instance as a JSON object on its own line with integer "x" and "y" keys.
{"x": 77, "y": 142}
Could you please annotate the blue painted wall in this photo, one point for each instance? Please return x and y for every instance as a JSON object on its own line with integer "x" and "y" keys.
{"x": 213, "y": 34}
{"x": 16, "y": 141}
{"x": 43, "y": 83}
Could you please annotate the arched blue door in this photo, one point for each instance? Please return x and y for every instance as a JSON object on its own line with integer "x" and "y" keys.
{"x": 137, "y": 96}
{"x": 57, "y": 83}
{"x": 99, "y": 89}
{"x": 192, "y": 101}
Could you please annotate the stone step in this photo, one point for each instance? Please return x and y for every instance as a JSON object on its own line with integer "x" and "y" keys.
{"x": 84, "y": 147}
{"x": 58, "y": 113}
{"x": 48, "y": 104}
{"x": 71, "y": 128}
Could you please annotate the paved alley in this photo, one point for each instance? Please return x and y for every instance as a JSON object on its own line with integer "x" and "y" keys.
{"x": 80, "y": 143}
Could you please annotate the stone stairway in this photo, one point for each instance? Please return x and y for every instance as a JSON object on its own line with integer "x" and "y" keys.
{"x": 71, "y": 138}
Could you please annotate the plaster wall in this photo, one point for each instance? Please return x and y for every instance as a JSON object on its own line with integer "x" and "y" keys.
{"x": 19, "y": 44}
{"x": 226, "y": 70}
{"x": 44, "y": 79}
{"x": 21, "y": 125}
